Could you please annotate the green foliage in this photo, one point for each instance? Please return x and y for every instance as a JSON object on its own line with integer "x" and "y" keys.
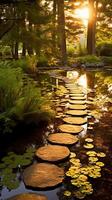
{"x": 104, "y": 49}
{"x": 19, "y": 97}
{"x": 88, "y": 59}
{"x": 42, "y": 61}
{"x": 10, "y": 164}
{"x": 107, "y": 60}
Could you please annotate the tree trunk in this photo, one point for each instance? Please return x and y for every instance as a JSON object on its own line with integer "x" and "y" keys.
{"x": 61, "y": 31}
{"x": 54, "y": 25}
{"x": 91, "y": 29}
{"x": 24, "y": 50}
{"x": 16, "y": 50}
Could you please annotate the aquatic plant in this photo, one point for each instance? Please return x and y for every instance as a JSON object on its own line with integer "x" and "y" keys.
{"x": 88, "y": 146}
{"x": 89, "y": 140}
{"x": 11, "y": 163}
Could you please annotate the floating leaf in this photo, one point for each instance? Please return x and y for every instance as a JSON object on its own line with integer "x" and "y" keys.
{"x": 88, "y": 146}
{"x": 93, "y": 159}
{"x": 67, "y": 193}
{"x": 89, "y": 140}
{"x": 101, "y": 154}
{"x": 91, "y": 153}
{"x": 100, "y": 164}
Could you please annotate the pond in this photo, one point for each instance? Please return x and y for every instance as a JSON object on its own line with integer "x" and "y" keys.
{"x": 94, "y": 144}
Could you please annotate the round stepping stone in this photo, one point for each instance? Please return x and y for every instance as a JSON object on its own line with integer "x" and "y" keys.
{"x": 76, "y": 112}
{"x": 70, "y": 128}
{"x": 77, "y": 102}
{"x": 76, "y": 95}
{"x": 78, "y": 98}
{"x": 29, "y": 196}
{"x": 43, "y": 175}
{"x": 52, "y": 153}
{"x": 76, "y": 91}
{"x": 63, "y": 138}
{"x": 77, "y": 107}
{"x": 75, "y": 120}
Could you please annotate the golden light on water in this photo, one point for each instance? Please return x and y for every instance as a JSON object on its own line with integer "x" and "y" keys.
{"x": 83, "y": 81}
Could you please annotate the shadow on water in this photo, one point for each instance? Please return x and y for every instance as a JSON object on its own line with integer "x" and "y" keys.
{"x": 99, "y": 84}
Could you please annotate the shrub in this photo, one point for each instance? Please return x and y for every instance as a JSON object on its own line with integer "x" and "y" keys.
{"x": 19, "y": 97}
{"x": 88, "y": 59}
{"x": 42, "y": 61}
{"x": 104, "y": 49}
{"x": 107, "y": 60}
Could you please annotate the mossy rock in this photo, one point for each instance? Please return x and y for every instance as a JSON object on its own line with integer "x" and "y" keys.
{"x": 52, "y": 153}
{"x": 77, "y": 98}
{"x": 28, "y": 196}
{"x": 43, "y": 175}
{"x": 75, "y": 120}
{"x": 76, "y": 112}
{"x": 63, "y": 138}
{"x": 77, "y": 107}
{"x": 77, "y": 102}
{"x": 70, "y": 128}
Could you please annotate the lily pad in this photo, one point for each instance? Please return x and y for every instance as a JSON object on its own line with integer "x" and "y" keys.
{"x": 75, "y": 120}
{"x": 89, "y": 140}
{"x": 93, "y": 159}
{"x": 77, "y": 107}
{"x": 62, "y": 138}
{"x": 67, "y": 193}
{"x": 76, "y": 112}
{"x": 88, "y": 146}
{"x": 101, "y": 154}
{"x": 91, "y": 153}
{"x": 100, "y": 164}
{"x": 43, "y": 175}
{"x": 70, "y": 128}
{"x": 77, "y": 102}
{"x": 28, "y": 196}
{"x": 52, "y": 153}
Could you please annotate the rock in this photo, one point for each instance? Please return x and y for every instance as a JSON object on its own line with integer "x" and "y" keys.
{"x": 70, "y": 128}
{"x": 62, "y": 138}
{"x": 76, "y": 95}
{"x": 77, "y": 98}
{"x": 43, "y": 175}
{"x": 76, "y": 112}
{"x": 28, "y": 196}
{"x": 77, "y": 107}
{"x": 75, "y": 120}
{"x": 77, "y": 102}
{"x": 52, "y": 153}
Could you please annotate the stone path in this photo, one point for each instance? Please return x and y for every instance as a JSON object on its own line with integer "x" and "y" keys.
{"x": 44, "y": 175}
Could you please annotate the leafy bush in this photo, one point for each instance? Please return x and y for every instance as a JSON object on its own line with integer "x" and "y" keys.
{"x": 107, "y": 60}
{"x": 104, "y": 49}
{"x": 19, "y": 97}
{"x": 88, "y": 59}
{"x": 42, "y": 61}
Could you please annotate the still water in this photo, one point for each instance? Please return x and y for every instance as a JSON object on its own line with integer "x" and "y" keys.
{"x": 98, "y": 88}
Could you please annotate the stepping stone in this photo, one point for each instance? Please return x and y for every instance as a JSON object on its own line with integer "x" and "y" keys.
{"x": 77, "y": 102}
{"x": 77, "y": 107}
{"x": 52, "y": 153}
{"x": 29, "y": 196}
{"x": 76, "y": 112}
{"x": 77, "y": 98}
{"x": 43, "y": 175}
{"x": 70, "y": 128}
{"x": 76, "y": 91}
{"x": 62, "y": 138}
{"x": 76, "y": 95}
{"x": 75, "y": 120}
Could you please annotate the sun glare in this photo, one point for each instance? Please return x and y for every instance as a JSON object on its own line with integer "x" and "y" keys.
{"x": 82, "y": 13}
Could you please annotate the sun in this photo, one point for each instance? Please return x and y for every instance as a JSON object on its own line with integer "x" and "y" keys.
{"x": 83, "y": 14}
